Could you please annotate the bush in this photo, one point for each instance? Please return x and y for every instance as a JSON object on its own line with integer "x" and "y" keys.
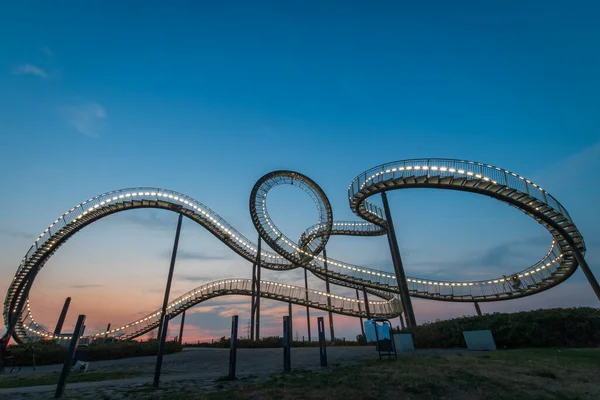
{"x": 557, "y": 327}
{"x": 48, "y": 352}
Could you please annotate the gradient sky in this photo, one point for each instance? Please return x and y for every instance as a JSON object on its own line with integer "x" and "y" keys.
{"x": 205, "y": 99}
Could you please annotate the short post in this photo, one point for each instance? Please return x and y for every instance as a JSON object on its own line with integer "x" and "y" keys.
{"x": 63, "y": 315}
{"x": 478, "y": 309}
{"x": 233, "y": 347}
{"x": 322, "y": 345}
{"x": 287, "y": 364}
{"x": 401, "y": 321}
{"x": 181, "y": 327}
{"x": 62, "y": 381}
{"x": 164, "y": 318}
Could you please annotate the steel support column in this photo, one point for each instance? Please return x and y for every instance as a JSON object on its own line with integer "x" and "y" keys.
{"x": 164, "y": 320}
{"x": 477, "y": 309}
{"x": 181, "y": 327}
{"x": 233, "y": 347}
{"x": 290, "y": 320}
{"x": 362, "y": 328}
{"x": 366, "y": 298}
{"x": 255, "y": 306}
{"x": 331, "y": 332}
{"x": 66, "y": 369}
{"x": 587, "y": 271}
{"x": 63, "y": 315}
{"x": 307, "y": 307}
{"x": 398, "y": 267}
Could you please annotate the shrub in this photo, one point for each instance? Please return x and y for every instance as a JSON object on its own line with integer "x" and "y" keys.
{"x": 557, "y": 327}
{"x": 48, "y": 352}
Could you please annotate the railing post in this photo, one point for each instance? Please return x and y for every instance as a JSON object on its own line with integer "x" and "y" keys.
{"x": 398, "y": 267}
{"x": 233, "y": 347}
{"x": 62, "y": 381}
{"x": 322, "y": 344}
{"x": 164, "y": 320}
{"x": 287, "y": 365}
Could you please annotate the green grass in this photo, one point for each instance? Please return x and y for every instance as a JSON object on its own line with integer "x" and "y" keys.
{"x": 567, "y": 374}
{"x": 12, "y": 381}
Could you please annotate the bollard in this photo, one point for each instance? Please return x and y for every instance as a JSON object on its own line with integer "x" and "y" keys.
{"x": 322, "y": 347}
{"x": 233, "y": 347}
{"x": 62, "y": 381}
{"x": 287, "y": 339}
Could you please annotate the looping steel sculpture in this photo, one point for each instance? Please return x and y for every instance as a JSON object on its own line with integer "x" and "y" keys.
{"x": 566, "y": 250}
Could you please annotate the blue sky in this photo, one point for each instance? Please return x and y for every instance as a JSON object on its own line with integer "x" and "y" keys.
{"x": 205, "y": 99}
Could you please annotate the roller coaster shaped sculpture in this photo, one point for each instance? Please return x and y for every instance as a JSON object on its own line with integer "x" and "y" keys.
{"x": 566, "y": 250}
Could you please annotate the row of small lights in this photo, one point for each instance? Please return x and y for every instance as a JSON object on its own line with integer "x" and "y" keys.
{"x": 378, "y": 273}
{"x": 452, "y": 170}
{"x": 191, "y": 204}
{"x": 195, "y": 292}
{"x": 310, "y": 290}
{"x": 247, "y": 245}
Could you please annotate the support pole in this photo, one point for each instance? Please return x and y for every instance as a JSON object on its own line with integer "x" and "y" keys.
{"x": 398, "y": 267}
{"x": 478, "y": 309}
{"x": 401, "y": 321}
{"x": 181, "y": 327}
{"x": 62, "y": 381}
{"x": 586, "y": 271}
{"x": 255, "y": 311}
{"x": 366, "y": 298}
{"x": 63, "y": 315}
{"x": 307, "y": 307}
{"x": 287, "y": 341}
{"x": 331, "y": 332}
{"x": 252, "y": 302}
{"x": 290, "y": 321}
{"x": 322, "y": 344}
{"x": 233, "y": 347}
{"x": 164, "y": 320}
{"x": 362, "y": 328}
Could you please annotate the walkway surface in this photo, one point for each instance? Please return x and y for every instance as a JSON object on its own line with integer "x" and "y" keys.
{"x": 193, "y": 369}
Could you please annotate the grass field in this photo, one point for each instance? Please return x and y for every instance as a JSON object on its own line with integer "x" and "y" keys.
{"x": 8, "y": 381}
{"x": 510, "y": 374}
{"x": 513, "y": 374}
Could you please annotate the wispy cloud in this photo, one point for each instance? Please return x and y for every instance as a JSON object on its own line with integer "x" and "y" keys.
{"x": 86, "y": 118}
{"x": 495, "y": 259}
{"x": 183, "y": 255}
{"x": 85, "y": 286}
{"x": 29, "y": 69}
{"x": 199, "y": 278}
{"x": 16, "y": 234}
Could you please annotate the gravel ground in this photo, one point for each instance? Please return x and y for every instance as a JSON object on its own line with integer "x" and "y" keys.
{"x": 194, "y": 369}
